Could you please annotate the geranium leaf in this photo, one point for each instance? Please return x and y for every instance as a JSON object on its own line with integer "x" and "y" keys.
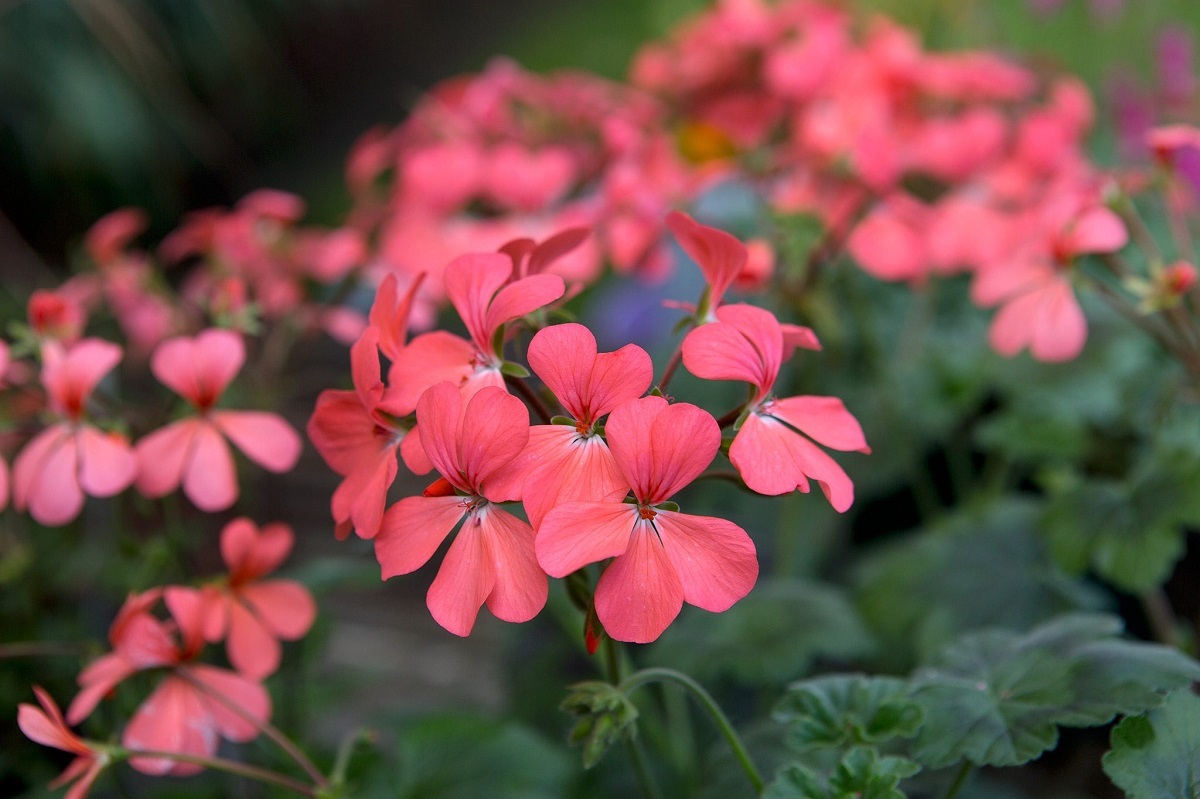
{"x": 861, "y": 774}
{"x": 848, "y": 709}
{"x": 1158, "y": 754}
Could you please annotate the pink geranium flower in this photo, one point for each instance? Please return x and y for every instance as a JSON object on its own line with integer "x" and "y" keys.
{"x": 773, "y": 449}
{"x": 661, "y": 557}
{"x": 254, "y": 613}
{"x": 479, "y": 288}
{"x": 720, "y": 256}
{"x": 491, "y": 559}
{"x": 1033, "y": 284}
{"x": 47, "y": 727}
{"x": 192, "y": 451}
{"x": 193, "y": 705}
{"x": 571, "y": 461}
{"x": 355, "y": 435}
{"x": 71, "y": 458}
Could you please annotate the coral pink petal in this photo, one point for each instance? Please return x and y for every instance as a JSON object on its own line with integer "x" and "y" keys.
{"x": 285, "y": 606}
{"x": 714, "y": 558}
{"x": 574, "y": 534}
{"x": 172, "y": 719}
{"x": 263, "y": 437}
{"x": 270, "y": 548}
{"x": 824, "y": 420}
{"x": 774, "y": 459}
{"x": 562, "y": 356}
{"x": 578, "y": 470}
{"x": 1060, "y": 328}
{"x": 471, "y": 282}
{"x": 83, "y": 769}
{"x": 222, "y": 689}
{"x": 73, "y": 378}
{"x": 238, "y": 540}
{"x": 412, "y": 530}
{"x": 746, "y": 345}
{"x": 465, "y": 580}
{"x": 55, "y": 495}
{"x": 343, "y": 431}
{"x": 1098, "y": 230}
{"x": 439, "y": 414}
{"x": 209, "y": 479}
{"x": 521, "y": 588}
{"x": 96, "y": 681}
{"x": 427, "y": 360}
{"x": 364, "y": 368}
{"x": 639, "y": 595}
{"x": 413, "y": 453}
{"x": 47, "y": 726}
{"x": 719, "y": 255}
{"x": 251, "y": 647}
{"x": 163, "y": 455}
{"x": 886, "y": 248}
{"x": 683, "y": 442}
{"x": 618, "y": 377}
{"x": 522, "y": 297}
{"x": 107, "y": 464}
{"x": 1003, "y": 280}
{"x": 189, "y": 608}
{"x": 362, "y": 496}
{"x": 495, "y": 428}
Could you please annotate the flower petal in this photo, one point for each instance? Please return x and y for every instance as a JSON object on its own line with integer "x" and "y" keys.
{"x": 639, "y": 595}
{"x": 107, "y": 465}
{"x": 251, "y": 647}
{"x": 521, "y": 589}
{"x": 163, "y": 455}
{"x": 412, "y": 530}
{"x": 467, "y": 577}
{"x": 574, "y": 534}
{"x": 495, "y": 428}
{"x": 172, "y": 719}
{"x": 716, "y": 561}
{"x": 223, "y": 690}
{"x": 209, "y": 479}
{"x": 285, "y": 606}
{"x": 824, "y": 420}
{"x": 263, "y": 437}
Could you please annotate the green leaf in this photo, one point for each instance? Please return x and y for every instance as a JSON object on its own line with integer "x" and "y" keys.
{"x": 514, "y": 369}
{"x": 997, "y": 697}
{"x": 466, "y": 756}
{"x": 844, "y": 709}
{"x": 861, "y": 774}
{"x": 976, "y": 570}
{"x": 1157, "y": 756}
{"x": 603, "y": 716}
{"x": 788, "y": 624}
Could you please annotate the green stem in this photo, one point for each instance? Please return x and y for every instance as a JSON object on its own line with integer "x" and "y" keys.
{"x": 266, "y": 728}
{"x": 32, "y": 649}
{"x": 1157, "y": 608}
{"x": 228, "y": 766}
{"x": 645, "y": 779}
{"x": 960, "y": 779}
{"x": 669, "y": 372}
{"x": 705, "y": 700}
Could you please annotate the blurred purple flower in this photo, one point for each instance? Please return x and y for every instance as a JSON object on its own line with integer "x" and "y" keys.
{"x": 1176, "y": 68}
{"x": 1134, "y": 115}
{"x": 1187, "y": 165}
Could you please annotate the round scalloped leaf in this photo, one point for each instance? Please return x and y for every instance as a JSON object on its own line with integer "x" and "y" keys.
{"x": 1157, "y": 755}
{"x": 846, "y": 709}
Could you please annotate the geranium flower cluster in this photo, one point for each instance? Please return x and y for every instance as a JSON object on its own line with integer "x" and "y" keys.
{"x": 595, "y": 481}
{"x": 180, "y": 723}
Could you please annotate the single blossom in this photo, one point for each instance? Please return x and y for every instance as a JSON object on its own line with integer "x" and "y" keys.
{"x": 478, "y": 286}
{"x": 72, "y": 457}
{"x": 192, "y": 451}
{"x": 193, "y": 705}
{"x": 571, "y": 461}
{"x": 774, "y": 449}
{"x": 471, "y": 443}
{"x": 253, "y": 614}
{"x": 352, "y": 431}
{"x": 47, "y": 727}
{"x": 661, "y": 557}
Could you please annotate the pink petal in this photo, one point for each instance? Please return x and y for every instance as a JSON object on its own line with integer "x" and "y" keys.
{"x": 390, "y": 316}
{"x": 189, "y": 608}
{"x": 522, "y": 297}
{"x": 495, "y": 428}
{"x": 107, "y": 464}
{"x": 96, "y": 681}
{"x": 439, "y": 414}
{"x": 172, "y": 719}
{"x": 888, "y": 248}
{"x": 746, "y": 345}
{"x": 365, "y": 372}
{"x": 714, "y": 558}
{"x": 53, "y": 493}
{"x": 562, "y": 356}
{"x": 719, "y": 255}
{"x": 639, "y": 595}
{"x": 660, "y": 448}
{"x": 466, "y": 578}
{"x": 1098, "y": 230}
{"x": 774, "y": 459}
{"x": 285, "y": 606}
{"x": 251, "y": 647}
{"x": 574, "y": 534}
{"x": 263, "y": 437}
{"x": 362, "y": 496}
{"x": 343, "y": 431}
{"x": 47, "y": 726}
{"x": 224, "y": 690}
{"x": 209, "y": 480}
{"x": 428, "y": 360}
{"x": 1060, "y": 328}
{"x": 70, "y": 378}
{"x": 413, "y": 453}
{"x": 83, "y": 769}
{"x": 520, "y": 590}
{"x": 823, "y": 419}
{"x": 412, "y": 530}
{"x": 471, "y": 282}
{"x": 570, "y": 468}
{"x": 250, "y": 552}
{"x": 199, "y": 369}
{"x": 163, "y": 455}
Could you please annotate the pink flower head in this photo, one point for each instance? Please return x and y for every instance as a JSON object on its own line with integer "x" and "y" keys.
{"x": 193, "y": 706}
{"x": 533, "y": 258}
{"x": 254, "y": 613}
{"x": 72, "y": 458}
{"x": 108, "y": 238}
{"x": 352, "y": 431}
{"x": 479, "y": 288}
{"x": 571, "y": 461}
{"x": 491, "y": 559}
{"x": 1033, "y": 284}
{"x": 192, "y": 451}
{"x": 772, "y": 449}
{"x": 47, "y": 727}
{"x": 662, "y": 558}
{"x": 720, "y": 256}
{"x": 56, "y": 315}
